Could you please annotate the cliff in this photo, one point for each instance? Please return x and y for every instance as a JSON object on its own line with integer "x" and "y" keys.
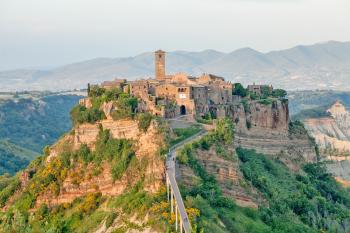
{"x": 332, "y": 133}
{"x": 147, "y": 145}
{"x": 265, "y": 127}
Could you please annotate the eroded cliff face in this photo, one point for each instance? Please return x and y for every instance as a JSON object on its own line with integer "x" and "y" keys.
{"x": 265, "y": 128}
{"x": 227, "y": 173}
{"x": 332, "y": 133}
{"x": 82, "y": 180}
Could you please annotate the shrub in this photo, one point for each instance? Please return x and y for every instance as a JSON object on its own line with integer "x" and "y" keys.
{"x": 144, "y": 121}
{"x": 239, "y": 90}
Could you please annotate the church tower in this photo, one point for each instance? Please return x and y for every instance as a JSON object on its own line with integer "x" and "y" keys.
{"x": 160, "y": 65}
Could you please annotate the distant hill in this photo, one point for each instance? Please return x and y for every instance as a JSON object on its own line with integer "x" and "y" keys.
{"x": 319, "y": 66}
{"x": 313, "y": 104}
{"x": 13, "y": 157}
{"x": 34, "y": 123}
{"x": 28, "y": 122}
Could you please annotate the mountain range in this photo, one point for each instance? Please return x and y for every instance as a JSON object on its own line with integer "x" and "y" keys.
{"x": 319, "y": 66}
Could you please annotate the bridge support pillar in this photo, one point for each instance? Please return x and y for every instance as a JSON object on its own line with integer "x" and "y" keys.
{"x": 176, "y": 217}
{"x": 167, "y": 187}
{"x": 171, "y": 201}
{"x": 180, "y": 225}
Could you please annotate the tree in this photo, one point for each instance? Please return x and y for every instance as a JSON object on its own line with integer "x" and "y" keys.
{"x": 279, "y": 93}
{"x": 238, "y": 89}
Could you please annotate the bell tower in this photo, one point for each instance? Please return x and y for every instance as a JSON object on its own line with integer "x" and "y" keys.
{"x": 160, "y": 65}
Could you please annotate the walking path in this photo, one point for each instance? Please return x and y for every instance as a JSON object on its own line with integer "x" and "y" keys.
{"x": 174, "y": 189}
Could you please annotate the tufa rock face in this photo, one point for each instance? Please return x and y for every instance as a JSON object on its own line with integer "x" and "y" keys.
{"x": 87, "y": 133}
{"x": 82, "y": 180}
{"x": 261, "y": 117}
{"x": 332, "y": 132}
{"x": 264, "y": 128}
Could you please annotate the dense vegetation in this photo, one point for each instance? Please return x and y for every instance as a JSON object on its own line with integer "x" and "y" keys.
{"x": 84, "y": 213}
{"x": 123, "y": 103}
{"x": 266, "y": 96}
{"x": 308, "y": 202}
{"x": 13, "y": 158}
{"x": 183, "y": 133}
{"x": 217, "y": 212}
{"x": 28, "y": 124}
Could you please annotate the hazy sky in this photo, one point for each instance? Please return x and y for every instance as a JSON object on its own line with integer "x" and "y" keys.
{"x": 46, "y": 33}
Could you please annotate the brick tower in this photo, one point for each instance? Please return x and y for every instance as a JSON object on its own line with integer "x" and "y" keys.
{"x": 160, "y": 64}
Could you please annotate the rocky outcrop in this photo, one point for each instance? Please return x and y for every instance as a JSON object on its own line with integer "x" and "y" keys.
{"x": 82, "y": 180}
{"x": 261, "y": 117}
{"x": 264, "y": 128}
{"x": 86, "y": 133}
{"x": 332, "y": 133}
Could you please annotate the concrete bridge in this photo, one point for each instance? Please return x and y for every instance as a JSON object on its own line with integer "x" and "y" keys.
{"x": 182, "y": 223}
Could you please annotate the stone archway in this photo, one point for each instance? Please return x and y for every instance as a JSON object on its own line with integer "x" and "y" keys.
{"x": 182, "y": 110}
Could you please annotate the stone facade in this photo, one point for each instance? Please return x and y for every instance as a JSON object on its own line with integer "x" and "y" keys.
{"x": 180, "y": 94}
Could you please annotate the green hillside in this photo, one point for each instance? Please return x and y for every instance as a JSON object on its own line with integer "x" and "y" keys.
{"x": 35, "y": 123}
{"x": 13, "y": 157}
{"x": 29, "y": 122}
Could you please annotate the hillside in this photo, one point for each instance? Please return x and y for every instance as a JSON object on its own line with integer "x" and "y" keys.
{"x": 35, "y": 121}
{"x": 14, "y": 158}
{"x": 252, "y": 171}
{"x": 314, "y": 104}
{"x": 29, "y": 122}
{"x": 319, "y": 66}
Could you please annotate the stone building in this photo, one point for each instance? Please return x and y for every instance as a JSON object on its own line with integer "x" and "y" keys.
{"x": 257, "y": 89}
{"x": 116, "y": 83}
{"x": 177, "y": 94}
{"x": 180, "y": 94}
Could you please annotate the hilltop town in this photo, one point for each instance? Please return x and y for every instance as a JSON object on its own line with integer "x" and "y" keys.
{"x": 181, "y": 94}
{"x": 176, "y": 153}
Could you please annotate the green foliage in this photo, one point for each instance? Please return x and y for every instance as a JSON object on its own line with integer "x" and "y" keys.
{"x": 81, "y": 114}
{"x": 125, "y": 106}
{"x": 118, "y": 151}
{"x": 217, "y": 213}
{"x": 238, "y": 89}
{"x": 265, "y": 101}
{"x": 204, "y": 121}
{"x": 8, "y": 185}
{"x": 144, "y": 120}
{"x": 265, "y": 92}
{"x": 308, "y": 202}
{"x": 13, "y": 157}
{"x": 183, "y": 133}
{"x": 279, "y": 93}
{"x": 245, "y": 104}
{"x": 297, "y": 129}
{"x": 224, "y": 131}
{"x": 35, "y": 122}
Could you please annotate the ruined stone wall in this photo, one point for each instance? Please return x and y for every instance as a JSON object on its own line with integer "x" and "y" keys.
{"x": 139, "y": 88}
